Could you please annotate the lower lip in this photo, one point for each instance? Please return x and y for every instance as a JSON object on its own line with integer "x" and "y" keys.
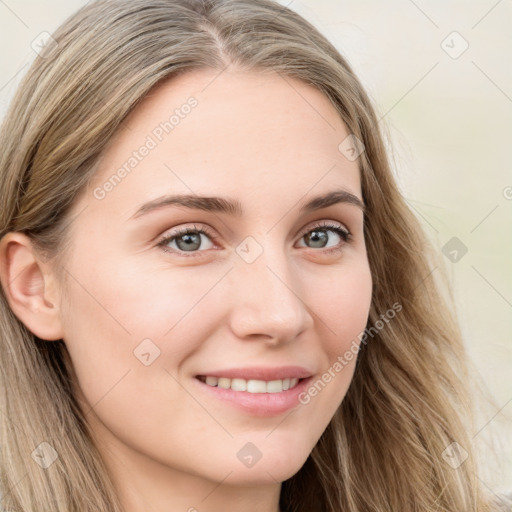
{"x": 258, "y": 404}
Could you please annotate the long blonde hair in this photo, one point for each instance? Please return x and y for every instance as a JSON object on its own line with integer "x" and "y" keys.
{"x": 408, "y": 400}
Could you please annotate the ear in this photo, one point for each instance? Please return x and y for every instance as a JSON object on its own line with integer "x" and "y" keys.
{"x": 30, "y": 287}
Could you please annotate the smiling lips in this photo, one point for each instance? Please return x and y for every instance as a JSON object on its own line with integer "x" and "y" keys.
{"x": 257, "y": 391}
{"x": 252, "y": 385}
{"x": 256, "y": 379}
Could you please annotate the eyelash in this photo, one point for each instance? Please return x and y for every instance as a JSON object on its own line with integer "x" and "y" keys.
{"x": 343, "y": 233}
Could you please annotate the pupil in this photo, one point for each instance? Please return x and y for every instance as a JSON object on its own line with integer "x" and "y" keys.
{"x": 317, "y": 238}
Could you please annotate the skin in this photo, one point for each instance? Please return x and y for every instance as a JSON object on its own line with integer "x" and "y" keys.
{"x": 252, "y": 137}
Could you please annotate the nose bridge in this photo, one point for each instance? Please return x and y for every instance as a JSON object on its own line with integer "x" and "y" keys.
{"x": 266, "y": 298}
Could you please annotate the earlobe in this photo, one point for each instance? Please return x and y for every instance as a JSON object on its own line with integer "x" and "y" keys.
{"x": 29, "y": 286}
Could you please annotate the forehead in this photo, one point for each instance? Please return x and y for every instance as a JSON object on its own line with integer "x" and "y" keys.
{"x": 253, "y": 136}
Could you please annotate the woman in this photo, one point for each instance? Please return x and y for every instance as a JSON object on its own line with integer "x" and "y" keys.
{"x": 213, "y": 295}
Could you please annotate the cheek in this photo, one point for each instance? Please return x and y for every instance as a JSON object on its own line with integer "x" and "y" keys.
{"x": 126, "y": 299}
{"x": 122, "y": 317}
{"x": 343, "y": 304}
{"x": 127, "y": 339}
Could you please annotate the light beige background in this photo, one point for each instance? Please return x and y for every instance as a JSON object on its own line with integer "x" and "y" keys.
{"x": 450, "y": 120}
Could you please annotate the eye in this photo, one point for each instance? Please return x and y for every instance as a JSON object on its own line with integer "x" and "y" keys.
{"x": 187, "y": 240}
{"x": 192, "y": 240}
{"x": 326, "y": 235}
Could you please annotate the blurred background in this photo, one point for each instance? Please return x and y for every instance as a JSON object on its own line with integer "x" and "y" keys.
{"x": 440, "y": 75}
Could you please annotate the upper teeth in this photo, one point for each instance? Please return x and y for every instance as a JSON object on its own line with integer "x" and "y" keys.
{"x": 252, "y": 386}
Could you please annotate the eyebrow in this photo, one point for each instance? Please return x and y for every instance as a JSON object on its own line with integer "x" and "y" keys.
{"x": 234, "y": 207}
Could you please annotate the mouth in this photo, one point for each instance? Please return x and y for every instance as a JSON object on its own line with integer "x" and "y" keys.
{"x": 261, "y": 393}
{"x": 251, "y": 385}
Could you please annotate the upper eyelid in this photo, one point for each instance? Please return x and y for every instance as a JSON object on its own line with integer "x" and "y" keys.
{"x": 326, "y": 224}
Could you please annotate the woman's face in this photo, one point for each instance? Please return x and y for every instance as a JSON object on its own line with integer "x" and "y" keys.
{"x": 211, "y": 255}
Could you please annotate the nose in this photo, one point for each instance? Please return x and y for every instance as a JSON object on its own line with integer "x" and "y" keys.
{"x": 267, "y": 300}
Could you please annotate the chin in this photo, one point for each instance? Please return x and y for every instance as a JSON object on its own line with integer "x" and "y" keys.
{"x": 276, "y": 467}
